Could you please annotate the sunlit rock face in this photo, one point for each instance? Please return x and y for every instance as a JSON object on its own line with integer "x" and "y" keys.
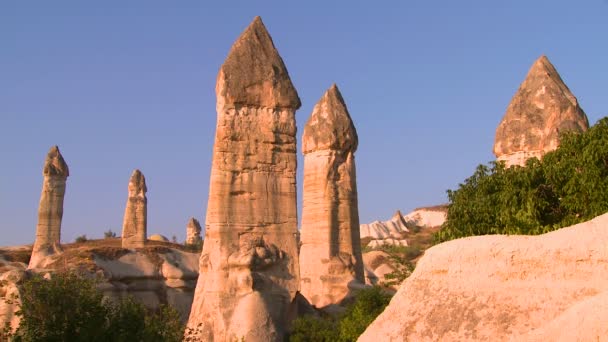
{"x": 551, "y": 287}
{"x": 330, "y": 256}
{"x": 134, "y": 227}
{"x": 249, "y": 271}
{"x": 50, "y": 209}
{"x": 542, "y": 108}
{"x": 193, "y": 232}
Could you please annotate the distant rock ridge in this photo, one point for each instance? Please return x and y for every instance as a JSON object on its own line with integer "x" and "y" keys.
{"x": 50, "y": 208}
{"x": 331, "y": 263}
{"x": 249, "y": 268}
{"x": 541, "y": 109}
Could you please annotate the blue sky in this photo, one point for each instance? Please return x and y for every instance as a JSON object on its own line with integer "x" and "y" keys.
{"x": 121, "y": 85}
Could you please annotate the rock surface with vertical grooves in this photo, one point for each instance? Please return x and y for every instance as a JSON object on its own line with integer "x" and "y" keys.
{"x": 193, "y": 232}
{"x": 330, "y": 257}
{"x": 249, "y": 270}
{"x": 134, "y": 226}
{"x": 50, "y": 208}
{"x": 542, "y": 108}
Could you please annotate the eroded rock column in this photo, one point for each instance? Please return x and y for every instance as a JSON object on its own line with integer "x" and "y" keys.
{"x": 330, "y": 257}
{"x": 134, "y": 226}
{"x": 193, "y": 232}
{"x": 50, "y": 208}
{"x": 542, "y": 108}
{"x": 249, "y": 272}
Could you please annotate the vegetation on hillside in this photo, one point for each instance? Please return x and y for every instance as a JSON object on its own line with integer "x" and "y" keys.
{"x": 368, "y": 304}
{"x": 569, "y": 185}
{"x": 68, "y": 307}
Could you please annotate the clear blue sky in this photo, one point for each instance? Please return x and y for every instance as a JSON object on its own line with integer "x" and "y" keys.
{"x": 120, "y": 85}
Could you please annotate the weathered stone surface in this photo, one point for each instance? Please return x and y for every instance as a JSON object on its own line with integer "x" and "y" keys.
{"x": 50, "y": 209}
{"x": 395, "y": 228}
{"x": 249, "y": 272}
{"x": 551, "y": 287}
{"x": 134, "y": 226}
{"x": 542, "y": 108}
{"x": 193, "y": 232}
{"x": 330, "y": 256}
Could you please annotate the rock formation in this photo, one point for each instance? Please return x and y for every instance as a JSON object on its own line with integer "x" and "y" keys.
{"x": 134, "y": 226}
{"x": 542, "y": 108}
{"x": 249, "y": 271}
{"x": 193, "y": 232}
{"x": 552, "y": 287}
{"x": 330, "y": 256}
{"x": 50, "y": 209}
{"x": 395, "y": 228}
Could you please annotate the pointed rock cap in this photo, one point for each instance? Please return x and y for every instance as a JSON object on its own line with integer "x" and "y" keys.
{"x": 330, "y": 126}
{"x": 399, "y": 217}
{"x": 193, "y": 223}
{"x": 55, "y": 165}
{"x": 254, "y": 74}
{"x": 542, "y": 107}
{"x": 137, "y": 183}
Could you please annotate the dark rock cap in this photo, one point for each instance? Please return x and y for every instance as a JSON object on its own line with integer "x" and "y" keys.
{"x": 194, "y": 223}
{"x": 330, "y": 126}
{"x": 254, "y": 74}
{"x": 138, "y": 181}
{"x": 542, "y": 107}
{"x": 55, "y": 165}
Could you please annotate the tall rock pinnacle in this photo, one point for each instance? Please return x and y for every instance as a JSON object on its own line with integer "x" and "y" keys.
{"x": 330, "y": 256}
{"x": 134, "y": 226}
{"x": 50, "y": 209}
{"x": 542, "y": 108}
{"x": 249, "y": 270}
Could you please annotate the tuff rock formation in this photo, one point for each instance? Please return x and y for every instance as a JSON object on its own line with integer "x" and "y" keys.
{"x": 50, "y": 209}
{"x": 552, "y": 287}
{"x": 330, "y": 256}
{"x": 249, "y": 273}
{"x": 134, "y": 226}
{"x": 193, "y": 232}
{"x": 394, "y": 228}
{"x": 542, "y": 108}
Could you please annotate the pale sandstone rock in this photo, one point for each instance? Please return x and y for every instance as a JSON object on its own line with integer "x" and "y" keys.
{"x": 427, "y": 217}
{"x": 389, "y": 242}
{"x": 330, "y": 256}
{"x": 193, "y": 232}
{"x": 542, "y": 108}
{"x": 134, "y": 227}
{"x": 158, "y": 237}
{"x": 394, "y": 228}
{"x": 11, "y": 275}
{"x": 50, "y": 209}
{"x": 249, "y": 273}
{"x": 505, "y": 288}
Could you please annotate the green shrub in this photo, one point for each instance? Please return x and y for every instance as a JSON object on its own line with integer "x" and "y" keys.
{"x": 368, "y": 304}
{"x": 81, "y": 239}
{"x": 109, "y": 234}
{"x": 569, "y": 186}
{"x": 69, "y": 307}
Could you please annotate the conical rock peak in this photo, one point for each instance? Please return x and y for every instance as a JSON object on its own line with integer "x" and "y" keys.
{"x": 330, "y": 126}
{"x": 55, "y": 165}
{"x": 254, "y": 74}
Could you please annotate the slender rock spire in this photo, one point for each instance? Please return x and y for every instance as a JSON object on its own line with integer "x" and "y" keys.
{"x": 134, "y": 227}
{"x": 249, "y": 270}
{"x": 50, "y": 209}
{"x": 330, "y": 258}
{"x": 541, "y": 109}
{"x": 193, "y": 232}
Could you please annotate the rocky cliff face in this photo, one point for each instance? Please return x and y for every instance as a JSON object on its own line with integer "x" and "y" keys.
{"x": 160, "y": 273}
{"x": 542, "y": 108}
{"x": 134, "y": 227}
{"x": 50, "y": 209}
{"x": 552, "y": 287}
{"x": 249, "y": 272}
{"x": 330, "y": 256}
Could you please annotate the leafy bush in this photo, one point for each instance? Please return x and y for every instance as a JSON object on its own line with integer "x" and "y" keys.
{"x": 569, "y": 186}
{"x": 69, "y": 307}
{"x": 109, "y": 234}
{"x": 368, "y": 304}
{"x": 81, "y": 239}
{"x": 194, "y": 247}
